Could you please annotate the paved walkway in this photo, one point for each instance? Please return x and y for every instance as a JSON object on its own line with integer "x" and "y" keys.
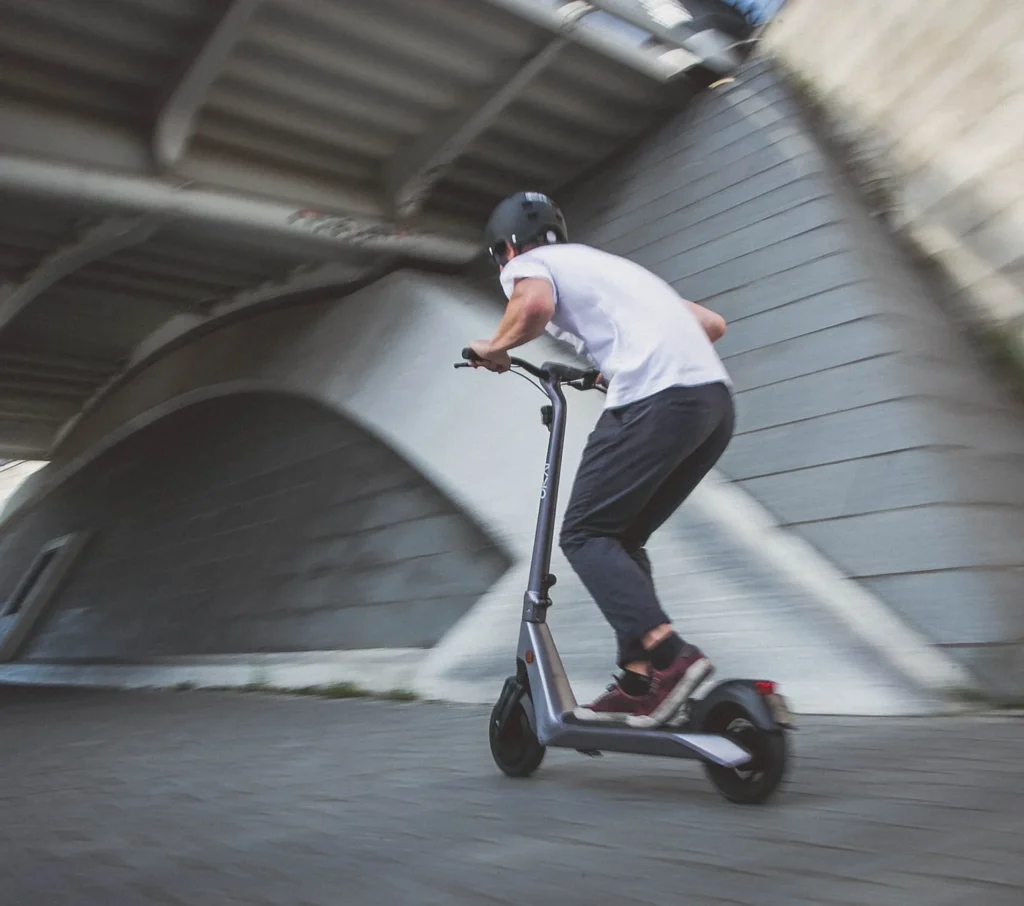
{"x": 210, "y": 798}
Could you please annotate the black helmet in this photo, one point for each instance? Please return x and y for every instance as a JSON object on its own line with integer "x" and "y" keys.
{"x": 522, "y": 219}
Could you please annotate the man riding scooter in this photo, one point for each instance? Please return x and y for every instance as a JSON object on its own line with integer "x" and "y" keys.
{"x": 668, "y": 418}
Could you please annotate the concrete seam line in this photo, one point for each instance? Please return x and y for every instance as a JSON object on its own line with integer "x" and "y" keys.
{"x": 374, "y": 669}
{"x": 805, "y": 567}
{"x": 798, "y": 146}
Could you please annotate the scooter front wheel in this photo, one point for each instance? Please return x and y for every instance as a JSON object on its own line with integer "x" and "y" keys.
{"x": 514, "y": 746}
{"x": 755, "y": 781}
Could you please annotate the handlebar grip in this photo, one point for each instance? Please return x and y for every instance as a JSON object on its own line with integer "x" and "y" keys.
{"x": 469, "y": 355}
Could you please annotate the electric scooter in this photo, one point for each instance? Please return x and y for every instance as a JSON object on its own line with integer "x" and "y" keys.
{"x": 737, "y": 730}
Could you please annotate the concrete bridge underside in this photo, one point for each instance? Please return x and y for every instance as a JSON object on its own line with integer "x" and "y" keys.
{"x": 291, "y": 467}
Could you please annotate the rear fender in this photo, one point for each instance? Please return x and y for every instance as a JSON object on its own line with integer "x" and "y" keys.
{"x": 739, "y": 692}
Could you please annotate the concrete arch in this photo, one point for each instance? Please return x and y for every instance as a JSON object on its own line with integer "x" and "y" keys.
{"x": 238, "y": 519}
{"x": 366, "y": 357}
{"x": 380, "y": 357}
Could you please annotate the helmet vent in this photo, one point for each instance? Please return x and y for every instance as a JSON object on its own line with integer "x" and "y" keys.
{"x": 522, "y": 219}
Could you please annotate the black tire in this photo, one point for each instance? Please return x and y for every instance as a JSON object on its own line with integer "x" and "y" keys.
{"x": 752, "y": 783}
{"x": 515, "y": 749}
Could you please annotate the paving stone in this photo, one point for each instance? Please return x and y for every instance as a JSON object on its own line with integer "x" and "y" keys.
{"x": 208, "y": 799}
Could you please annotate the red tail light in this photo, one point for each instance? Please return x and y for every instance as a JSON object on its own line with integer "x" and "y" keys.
{"x": 764, "y": 687}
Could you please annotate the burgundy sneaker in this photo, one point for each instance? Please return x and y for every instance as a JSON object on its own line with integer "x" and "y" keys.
{"x": 614, "y": 706}
{"x": 671, "y": 687}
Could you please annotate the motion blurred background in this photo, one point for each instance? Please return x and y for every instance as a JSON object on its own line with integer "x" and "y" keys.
{"x": 239, "y": 249}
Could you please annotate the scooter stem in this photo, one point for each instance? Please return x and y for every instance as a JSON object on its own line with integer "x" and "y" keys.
{"x": 536, "y": 600}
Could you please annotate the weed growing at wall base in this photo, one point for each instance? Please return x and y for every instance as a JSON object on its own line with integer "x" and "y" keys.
{"x": 331, "y": 690}
{"x": 350, "y": 690}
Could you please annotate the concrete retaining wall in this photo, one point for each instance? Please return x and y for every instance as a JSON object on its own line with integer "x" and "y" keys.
{"x": 865, "y": 423}
{"x": 931, "y": 94}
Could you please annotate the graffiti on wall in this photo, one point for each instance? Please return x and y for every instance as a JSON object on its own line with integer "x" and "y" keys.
{"x": 340, "y": 227}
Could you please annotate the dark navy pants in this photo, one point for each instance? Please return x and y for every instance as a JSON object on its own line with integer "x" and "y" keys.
{"x": 640, "y": 463}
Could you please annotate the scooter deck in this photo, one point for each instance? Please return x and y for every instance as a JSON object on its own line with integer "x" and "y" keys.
{"x": 571, "y": 733}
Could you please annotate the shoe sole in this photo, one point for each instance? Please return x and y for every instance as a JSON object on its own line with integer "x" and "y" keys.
{"x": 599, "y": 717}
{"x": 665, "y": 712}
{"x": 669, "y": 708}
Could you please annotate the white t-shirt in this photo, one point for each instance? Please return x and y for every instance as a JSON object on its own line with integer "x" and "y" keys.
{"x": 629, "y": 322}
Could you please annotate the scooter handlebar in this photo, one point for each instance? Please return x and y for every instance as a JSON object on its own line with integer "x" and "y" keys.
{"x": 564, "y": 374}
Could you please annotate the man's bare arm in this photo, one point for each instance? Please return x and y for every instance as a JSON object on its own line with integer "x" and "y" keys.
{"x": 713, "y": 324}
{"x": 528, "y": 311}
{"x": 530, "y": 308}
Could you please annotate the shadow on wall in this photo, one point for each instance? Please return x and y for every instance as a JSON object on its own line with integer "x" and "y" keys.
{"x": 248, "y": 523}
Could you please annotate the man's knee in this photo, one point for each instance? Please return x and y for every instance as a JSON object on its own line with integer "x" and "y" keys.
{"x": 576, "y": 532}
{"x": 640, "y": 557}
{"x": 571, "y": 539}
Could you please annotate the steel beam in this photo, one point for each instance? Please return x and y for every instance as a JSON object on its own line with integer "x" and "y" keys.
{"x": 57, "y": 365}
{"x": 415, "y": 172}
{"x": 711, "y": 47}
{"x": 564, "y": 21}
{"x": 15, "y": 372}
{"x": 105, "y": 238}
{"x": 176, "y": 120}
{"x": 278, "y": 221}
{"x": 39, "y": 412}
{"x": 36, "y": 133}
{"x": 29, "y": 390}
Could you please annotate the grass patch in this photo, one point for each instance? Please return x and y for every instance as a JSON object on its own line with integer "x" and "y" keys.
{"x": 331, "y": 691}
{"x": 334, "y": 690}
{"x": 970, "y": 696}
{"x": 400, "y": 695}
{"x": 978, "y": 700}
{"x": 1005, "y": 352}
{"x": 351, "y": 690}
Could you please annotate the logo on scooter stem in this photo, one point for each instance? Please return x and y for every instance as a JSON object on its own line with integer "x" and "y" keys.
{"x": 544, "y": 484}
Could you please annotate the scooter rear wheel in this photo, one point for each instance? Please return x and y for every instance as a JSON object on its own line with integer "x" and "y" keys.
{"x": 514, "y": 746}
{"x": 754, "y": 782}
